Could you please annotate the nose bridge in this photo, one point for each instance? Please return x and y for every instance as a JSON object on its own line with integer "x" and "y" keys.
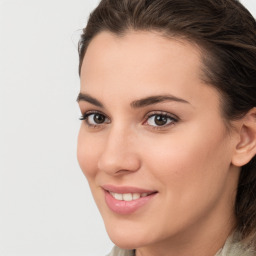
{"x": 118, "y": 136}
{"x": 119, "y": 151}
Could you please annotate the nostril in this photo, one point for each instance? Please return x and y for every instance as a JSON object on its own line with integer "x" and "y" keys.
{"x": 122, "y": 171}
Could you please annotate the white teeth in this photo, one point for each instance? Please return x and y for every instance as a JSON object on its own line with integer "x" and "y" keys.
{"x": 127, "y": 196}
{"x": 118, "y": 196}
{"x": 135, "y": 196}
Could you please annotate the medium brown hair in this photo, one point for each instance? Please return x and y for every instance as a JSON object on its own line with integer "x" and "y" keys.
{"x": 225, "y": 31}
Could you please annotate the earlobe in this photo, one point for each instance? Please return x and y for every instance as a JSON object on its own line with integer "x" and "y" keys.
{"x": 246, "y": 147}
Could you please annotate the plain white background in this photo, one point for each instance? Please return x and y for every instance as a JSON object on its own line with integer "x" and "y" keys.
{"x": 46, "y": 207}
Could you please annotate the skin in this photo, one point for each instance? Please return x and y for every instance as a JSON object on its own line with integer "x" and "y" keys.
{"x": 188, "y": 161}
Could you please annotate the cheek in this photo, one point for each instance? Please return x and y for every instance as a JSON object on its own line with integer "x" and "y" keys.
{"x": 190, "y": 160}
{"x": 189, "y": 172}
{"x": 87, "y": 153}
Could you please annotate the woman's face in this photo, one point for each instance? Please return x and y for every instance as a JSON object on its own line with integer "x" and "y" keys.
{"x": 153, "y": 145}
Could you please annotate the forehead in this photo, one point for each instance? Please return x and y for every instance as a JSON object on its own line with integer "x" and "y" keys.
{"x": 141, "y": 64}
{"x": 139, "y": 50}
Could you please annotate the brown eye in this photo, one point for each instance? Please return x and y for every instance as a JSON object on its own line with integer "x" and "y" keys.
{"x": 158, "y": 120}
{"x": 95, "y": 119}
{"x": 99, "y": 118}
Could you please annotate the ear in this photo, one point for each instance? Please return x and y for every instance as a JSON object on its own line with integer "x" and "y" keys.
{"x": 246, "y": 146}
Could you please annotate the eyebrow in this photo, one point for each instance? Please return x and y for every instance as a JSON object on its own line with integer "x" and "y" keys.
{"x": 156, "y": 99}
{"x": 90, "y": 99}
{"x": 134, "y": 104}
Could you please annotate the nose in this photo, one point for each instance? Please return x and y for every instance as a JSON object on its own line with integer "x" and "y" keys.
{"x": 119, "y": 154}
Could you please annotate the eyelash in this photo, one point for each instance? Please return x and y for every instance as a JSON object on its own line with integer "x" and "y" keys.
{"x": 172, "y": 119}
{"x": 85, "y": 117}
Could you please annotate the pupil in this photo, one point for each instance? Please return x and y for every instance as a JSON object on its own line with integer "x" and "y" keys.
{"x": 160, "y": 120}
{"x": 99, "y": 119}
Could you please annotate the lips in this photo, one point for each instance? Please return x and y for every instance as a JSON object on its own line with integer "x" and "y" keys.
{"x": 126, "y": 200}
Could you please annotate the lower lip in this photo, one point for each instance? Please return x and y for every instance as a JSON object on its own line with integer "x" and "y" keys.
{"x": 126, "y": 207}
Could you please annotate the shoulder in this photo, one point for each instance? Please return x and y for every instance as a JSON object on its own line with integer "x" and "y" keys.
{"x": 120, "y": 252}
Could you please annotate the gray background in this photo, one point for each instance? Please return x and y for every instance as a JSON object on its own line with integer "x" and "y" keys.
{"x": 45, "y": 205}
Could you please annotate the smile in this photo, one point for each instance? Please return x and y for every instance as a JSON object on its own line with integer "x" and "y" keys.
{"x": 127, "y": 200}
{"x": 128, "y": 196}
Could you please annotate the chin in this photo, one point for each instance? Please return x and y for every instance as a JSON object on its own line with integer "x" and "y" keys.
{"x": 127, "y": 239}
{"x": 126, "y": 243}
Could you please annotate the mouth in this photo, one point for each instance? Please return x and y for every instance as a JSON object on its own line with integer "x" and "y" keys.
{"x": 129, "y": 196}
{"x": 127, "y": 200}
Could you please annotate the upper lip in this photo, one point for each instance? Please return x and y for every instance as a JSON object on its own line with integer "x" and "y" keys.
{"x": 126, "y": 189}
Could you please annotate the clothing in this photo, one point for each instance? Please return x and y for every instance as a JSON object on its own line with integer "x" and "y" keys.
{"x": 120, "y": 252}
{"x": 232, "y": 247}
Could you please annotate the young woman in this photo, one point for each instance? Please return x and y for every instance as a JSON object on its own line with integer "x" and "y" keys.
{"x": 168, "y": 137}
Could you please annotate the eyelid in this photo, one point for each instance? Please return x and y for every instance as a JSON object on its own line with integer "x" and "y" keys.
{"x": 164, "y": 113}
{"x": 89, "y": 112}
